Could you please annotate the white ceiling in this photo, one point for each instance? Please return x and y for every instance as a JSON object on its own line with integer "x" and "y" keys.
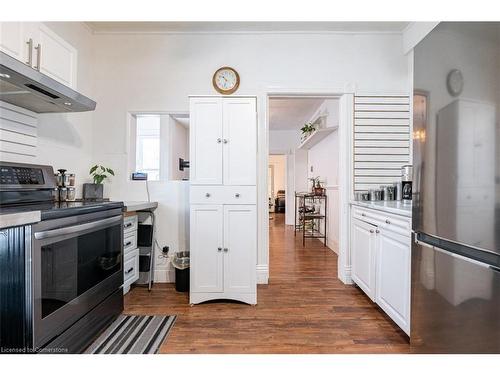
{"x": 291, "y": 113}
{"x": 200, "y": 27}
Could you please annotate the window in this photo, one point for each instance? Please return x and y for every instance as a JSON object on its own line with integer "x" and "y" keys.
{"x": 147, "y": 156}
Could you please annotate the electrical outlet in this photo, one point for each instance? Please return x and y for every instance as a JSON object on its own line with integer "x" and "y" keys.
{"x": 165, "y": 250}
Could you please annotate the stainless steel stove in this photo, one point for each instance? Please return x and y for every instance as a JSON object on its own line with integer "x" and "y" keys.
{"x": 61, "y": 277}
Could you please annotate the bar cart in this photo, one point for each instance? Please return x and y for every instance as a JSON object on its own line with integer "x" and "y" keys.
{"x": 310, "y": 215}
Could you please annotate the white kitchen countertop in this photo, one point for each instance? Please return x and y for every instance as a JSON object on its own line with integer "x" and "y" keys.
{"x": 393, "y": 207}
{"x": 139, "y": 206}
{"x": 19, "y": 218}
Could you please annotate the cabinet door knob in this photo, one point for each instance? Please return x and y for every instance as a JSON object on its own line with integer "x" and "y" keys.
{"x": 387, "y": 221}
{"x": 225, "y": 141}
{"x": 377, "y": 231}
{"x": 237, "y": 195}
{"x": 219, "y": 249}
{"x": 371, "y": 230}
{"x": 207, "y": 195}
{"x": 219, "y": 140}
{"x": 226, "y": 249}
{"x": 363, "y": 214}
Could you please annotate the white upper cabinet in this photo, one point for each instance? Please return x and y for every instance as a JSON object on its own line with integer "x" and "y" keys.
{"x": 12, "y": 39}
{"x": 39, "y": 47}
{"x": 205, "y": 141}
{"x": 55, "y": 57}
{"x": 223, "y": 141}
{"x": 240, "y": 244}
{"x": 240, "y": 141}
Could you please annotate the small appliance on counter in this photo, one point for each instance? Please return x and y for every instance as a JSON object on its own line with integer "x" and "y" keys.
{"x": 406, "y": 182}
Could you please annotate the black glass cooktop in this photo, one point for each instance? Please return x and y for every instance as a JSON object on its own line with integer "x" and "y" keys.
{"x": 55, "y": 210}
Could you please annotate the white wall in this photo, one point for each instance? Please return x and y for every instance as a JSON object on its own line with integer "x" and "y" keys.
{"x": 279, "y": 164}
{"x": 179, "y": 144}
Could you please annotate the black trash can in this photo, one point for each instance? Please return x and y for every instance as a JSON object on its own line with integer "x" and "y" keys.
{"x": 180, "y": 261}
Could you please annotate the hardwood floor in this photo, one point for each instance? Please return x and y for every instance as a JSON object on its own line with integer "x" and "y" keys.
{"x": 303, "y": 309}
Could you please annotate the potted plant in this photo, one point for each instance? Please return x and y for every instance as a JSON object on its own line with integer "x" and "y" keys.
{"x": 95, "y": 190}
{"x": 307, "y": 129}
{"x": 317, "y": 189}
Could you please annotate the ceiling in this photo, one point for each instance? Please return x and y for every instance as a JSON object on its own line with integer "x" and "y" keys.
{"x": 222, "y": 27}
{"x": 291, "y": 113}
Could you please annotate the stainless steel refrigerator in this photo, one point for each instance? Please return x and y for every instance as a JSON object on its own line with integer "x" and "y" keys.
{"x": 455, "y": 306}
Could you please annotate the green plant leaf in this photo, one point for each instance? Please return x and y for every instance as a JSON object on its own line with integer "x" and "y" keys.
{"x": 93, "y": 169}
{"x": 110, "y": 171}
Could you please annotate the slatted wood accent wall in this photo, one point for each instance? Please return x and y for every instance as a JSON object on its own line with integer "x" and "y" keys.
{"x": 381, "y": 139}
{"x": 18, "y": 134}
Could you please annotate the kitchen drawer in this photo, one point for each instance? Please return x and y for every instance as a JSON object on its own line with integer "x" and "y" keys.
{"x": 131, "y": 267}
{"x": 129, "y": 242}
{"x": 223, "y": 195}
{"x": 130, "y": 224}
{"x": 396, "y": 223}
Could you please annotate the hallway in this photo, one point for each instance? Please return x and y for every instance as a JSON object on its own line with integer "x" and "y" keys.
{"x": 303, "y": 309}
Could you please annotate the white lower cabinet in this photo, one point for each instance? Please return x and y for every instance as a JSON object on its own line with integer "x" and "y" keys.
{"x": 393, "y": 277}
{"x": 223, "y": 253}
{"x": 130, "y": 252}
{"x": 381, "y": 262}
{"x": 363, "y": 253}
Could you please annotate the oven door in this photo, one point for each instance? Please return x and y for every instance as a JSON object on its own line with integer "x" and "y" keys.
{"x": 77, "y": 263}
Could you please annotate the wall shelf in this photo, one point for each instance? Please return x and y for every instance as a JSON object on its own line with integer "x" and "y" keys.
{"x": 316, "y": 137}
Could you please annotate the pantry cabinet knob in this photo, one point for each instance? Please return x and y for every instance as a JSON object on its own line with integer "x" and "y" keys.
{"x": 219, "y": 249}
{"x": 226, "y": 249}
{"x": 237, "y": 195}
{"x": 377, "y": 231}
{"x": 219, "y": 140}
{"x": 371, "y": 230}
{"x": 207, "y": 195}
{"x": 363, "y": 214}
{"x": 387, "y": 221}
{"x": 225, "y": 141}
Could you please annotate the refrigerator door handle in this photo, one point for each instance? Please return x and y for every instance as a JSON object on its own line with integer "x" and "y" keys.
{"x": 454, "y": 255}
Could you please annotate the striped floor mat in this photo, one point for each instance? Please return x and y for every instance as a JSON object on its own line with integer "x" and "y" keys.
{"x": 133, "y": 334}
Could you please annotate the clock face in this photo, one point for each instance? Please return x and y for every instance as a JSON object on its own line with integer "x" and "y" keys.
{"x": 455, "y": 82}
{"x": 226, "y": 80}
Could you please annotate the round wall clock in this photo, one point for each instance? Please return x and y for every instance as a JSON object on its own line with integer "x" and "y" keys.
{"x": 455, "y": 82}
{"x": 226, "y": 80}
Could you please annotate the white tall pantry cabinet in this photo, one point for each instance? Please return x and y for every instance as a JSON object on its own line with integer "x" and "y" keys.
{"x": 223, "y": 197}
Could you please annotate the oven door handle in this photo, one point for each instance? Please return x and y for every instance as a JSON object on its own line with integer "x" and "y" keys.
{"x": 76, "y": 228}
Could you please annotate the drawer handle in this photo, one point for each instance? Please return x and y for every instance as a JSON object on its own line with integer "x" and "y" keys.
{"x": 387, "y": 221}
{"x": 219, "y": 249}
{"x": 207, "y": 195}
{"x": 128, "y": 225}
{"x": 128, "y": 243}
{"x": 363, "y": 214}
{"x": 237, "y": 195}
{"x": 129, "y": 270}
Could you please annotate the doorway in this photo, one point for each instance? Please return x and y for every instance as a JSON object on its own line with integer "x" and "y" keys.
{"x": 287, "y": 114}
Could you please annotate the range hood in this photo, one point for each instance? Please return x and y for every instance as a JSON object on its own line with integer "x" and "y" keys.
{"x": 25, "y": 87}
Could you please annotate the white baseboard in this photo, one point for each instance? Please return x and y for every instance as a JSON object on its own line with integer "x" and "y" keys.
{"x": 347, "y": 279}
{"x": 262, "y": 274}
{"x": 164, "y": 275}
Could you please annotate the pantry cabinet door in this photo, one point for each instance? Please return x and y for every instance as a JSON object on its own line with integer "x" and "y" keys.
{"x": 206, "y": 238}
{"x": 56, "y": 57}
{"x": 240, "y": 141}
{"x": 240, "y": 248}
{"x": 363, "y": 253}
{"x": 205, "y": 141}
{"x": 393, "y": 277}
{"x": 12, "y": 40}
